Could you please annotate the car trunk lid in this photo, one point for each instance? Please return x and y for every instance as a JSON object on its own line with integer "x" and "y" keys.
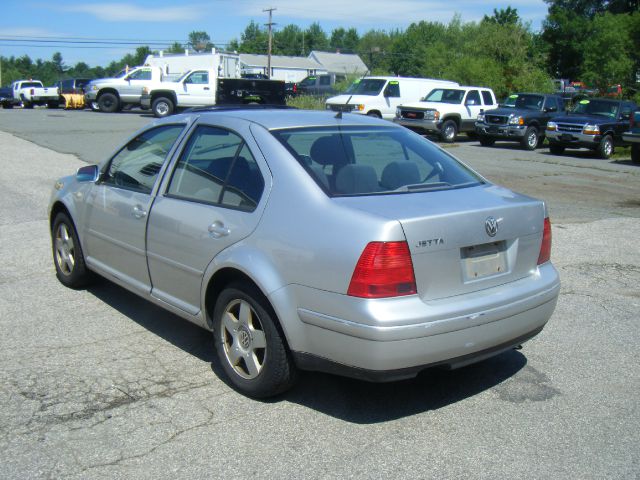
{"x": 464, "y": 240}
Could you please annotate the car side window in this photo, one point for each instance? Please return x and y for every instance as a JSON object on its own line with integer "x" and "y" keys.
{"x": 486, "y": 96}
{"x": 141, "y": 75}
{"x": 217, "y": 167}
{"x": 137, "y": 165}
{"x": 198, "y": 78}
{"x": 625, "y": 111}
{"x": 473, "y": 98}
{"x": 392, "y": 90}
{"x": 325, "y": 80}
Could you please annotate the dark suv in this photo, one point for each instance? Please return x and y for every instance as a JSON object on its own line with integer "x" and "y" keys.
{"x": 521, "y": 118}
{"x": 594, "y": 123}
{"x": 633, "y": 136}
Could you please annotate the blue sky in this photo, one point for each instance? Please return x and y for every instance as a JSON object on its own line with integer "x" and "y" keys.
{"x": 157, "y": 22}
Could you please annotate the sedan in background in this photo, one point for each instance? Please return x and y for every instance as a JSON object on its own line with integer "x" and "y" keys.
{"x": 310, "y": 241}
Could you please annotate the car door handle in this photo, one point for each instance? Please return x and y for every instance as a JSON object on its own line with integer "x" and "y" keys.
{"x": 138, "y": 212}
{"x": 218, "y": 230}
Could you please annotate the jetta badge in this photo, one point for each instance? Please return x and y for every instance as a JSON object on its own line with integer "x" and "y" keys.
{"x": 491, "y": 226}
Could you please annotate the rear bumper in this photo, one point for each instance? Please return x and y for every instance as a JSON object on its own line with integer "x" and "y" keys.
{"x": 515, "y": 132}
{"x": 409, "y": 334}
{"x": 631, "y": 137}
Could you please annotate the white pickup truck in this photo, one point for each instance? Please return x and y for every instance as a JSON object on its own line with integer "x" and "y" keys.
{"x": 124, "y": 90}
{"x": 446, "y": 111}
{"x": 203, "y": 88}
{"x": 32, "y": 92}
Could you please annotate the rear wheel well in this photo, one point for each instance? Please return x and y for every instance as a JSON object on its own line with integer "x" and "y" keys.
{"x": 221, "y": 280}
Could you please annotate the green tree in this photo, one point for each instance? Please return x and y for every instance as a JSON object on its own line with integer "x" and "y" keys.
{"x": 374, "y": 48}
{"x": 344, "y": 40}
{"x": 508, "y": 16}
{"x": 59, "y": 66}
{"x": 176, "y": 47}
{"x": 200, "y": 41}
{"x": 253, "y": 39}
{"x": 315, "y": 39}
{"x": 288, "y": 41}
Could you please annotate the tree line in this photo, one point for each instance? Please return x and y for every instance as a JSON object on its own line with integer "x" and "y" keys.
{"x": 594, "y": 41}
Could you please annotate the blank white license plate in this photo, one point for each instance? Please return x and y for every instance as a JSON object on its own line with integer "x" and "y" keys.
{"x": 481, "y": 261}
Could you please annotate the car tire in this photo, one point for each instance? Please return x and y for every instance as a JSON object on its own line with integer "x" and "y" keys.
{"x": 635, "y": 153}
{"x": 556, "y": 149}
{"x": 486, "y": 141}
{"x": 449, "y": 131}
{"x": 108, "y": 103}
{"x": 53, "y": 104}
{"x": 531, "y": 139}
{"x": 605, "y": 148}
{"x": 249, "y": 343}
{"x": 162, "y": 107}
{"x": 68, "y": 257}
{"x": 26, "y": 103}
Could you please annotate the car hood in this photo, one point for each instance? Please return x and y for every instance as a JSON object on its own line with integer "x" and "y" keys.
{"x": 506, "y": 111}
{"x": 352, "y": 99}
{"x": 427, "y": 105}
{"x": 583, "y": 119}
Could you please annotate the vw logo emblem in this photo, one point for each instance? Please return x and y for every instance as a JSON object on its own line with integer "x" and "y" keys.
{"x": 491, "y": 226}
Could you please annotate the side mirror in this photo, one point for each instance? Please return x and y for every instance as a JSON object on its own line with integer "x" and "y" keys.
{"x": 550, "y": 109}
{"x": 625, "y": 116}
{"x": 89, "y": 173}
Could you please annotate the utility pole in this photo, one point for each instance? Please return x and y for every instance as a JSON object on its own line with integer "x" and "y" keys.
{"x": 270, "y": 24}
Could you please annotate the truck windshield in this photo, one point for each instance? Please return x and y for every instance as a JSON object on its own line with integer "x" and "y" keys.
{"x": 445, "y": 95}
{"x": 308, "y": 82}
{"x": 348, "y": 161}
{"x": 367, "y": 86}
{"x": 603, "y": 108}
{"x": 524, "y": 101}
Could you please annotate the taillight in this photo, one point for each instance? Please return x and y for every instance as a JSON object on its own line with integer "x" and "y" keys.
{"x": 545, "y": 248}
{"x": 33, "y": 91}
{"x": 383, "y": 270}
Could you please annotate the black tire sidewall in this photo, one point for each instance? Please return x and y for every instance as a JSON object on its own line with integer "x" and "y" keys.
{"x": 79, "y": 276}
{"x": 278, "y": 372}
{"x": 102, "y": 100}
{"x": 525, "y": 140}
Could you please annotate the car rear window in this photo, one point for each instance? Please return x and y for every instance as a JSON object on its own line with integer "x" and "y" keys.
{"x": 374, "y": 160}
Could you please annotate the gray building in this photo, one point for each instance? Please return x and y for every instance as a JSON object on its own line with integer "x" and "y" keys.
{"x": 340, "y": 63}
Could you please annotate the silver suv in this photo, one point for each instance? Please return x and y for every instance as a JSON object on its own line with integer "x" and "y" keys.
{"x": 311, "y": 240}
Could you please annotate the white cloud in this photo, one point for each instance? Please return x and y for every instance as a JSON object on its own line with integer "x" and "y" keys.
{"x": 27, "y": 32}
{"x": 124, "y": 12}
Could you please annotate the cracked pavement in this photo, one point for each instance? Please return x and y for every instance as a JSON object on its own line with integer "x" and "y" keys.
{"x": 98, "y": 383}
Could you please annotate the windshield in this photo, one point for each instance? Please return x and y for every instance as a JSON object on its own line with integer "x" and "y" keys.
{"x": 445, "y": 95}
{"x": 351, "y": 161}
{"x": 121, "y": 73}
{"x": 603, "y": 108}
{"x": 308, "y": 82}
{"x": 524, "y": 101}
{"x": 367, "y": 86}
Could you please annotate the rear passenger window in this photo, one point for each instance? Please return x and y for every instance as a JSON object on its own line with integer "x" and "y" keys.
{"x": 325, "y": 80}
{"x": 393, "y": 89}
{"x": 217, "y": 167}
{"x": 473, "y": 98}
{"x": 486, "y": 96}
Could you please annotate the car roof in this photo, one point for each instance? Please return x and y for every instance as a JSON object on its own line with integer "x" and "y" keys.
{"x": 277, "y": 118}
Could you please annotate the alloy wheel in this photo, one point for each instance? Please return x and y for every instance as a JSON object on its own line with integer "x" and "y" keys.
{"x": 243, "y": 339}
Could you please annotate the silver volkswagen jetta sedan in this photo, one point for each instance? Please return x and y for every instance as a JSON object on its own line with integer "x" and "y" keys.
{"x": 311, "y": 240}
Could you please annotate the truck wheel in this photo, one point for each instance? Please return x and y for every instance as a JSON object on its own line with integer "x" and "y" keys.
{"x": 108, "y": 103}
{"x": 162, "y": 107}
{"x": 26, "y": 103}
{"x": 7, "y": 105}
{"x": 53, "y": 104}
{"x": 530, "y": 139}
{"x": 449, "y": 131}
{"x": 605, "y": 149}
{"x": 556, "y": 149}
{"x": 635, "y": 153}
{"x": 487, "y": 141}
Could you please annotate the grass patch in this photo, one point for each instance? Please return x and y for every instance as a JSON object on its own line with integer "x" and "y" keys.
{"x": 307, "y": 102}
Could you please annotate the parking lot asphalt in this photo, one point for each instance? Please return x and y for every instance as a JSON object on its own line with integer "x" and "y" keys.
{"x": 97, "y": 383}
